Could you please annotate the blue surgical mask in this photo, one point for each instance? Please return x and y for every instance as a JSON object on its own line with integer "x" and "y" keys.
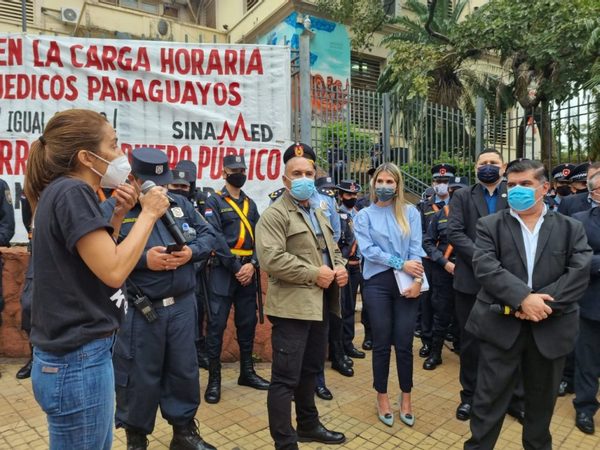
{"x": 521, "y": 198}
{"x": 488, "y": 173}
{"x": 302, "y": 188}
{"x": 385, "y": 193}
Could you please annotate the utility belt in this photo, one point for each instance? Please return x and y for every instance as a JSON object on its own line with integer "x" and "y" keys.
{"x": 147, "y": 306}
{"x": 243, "y": 256}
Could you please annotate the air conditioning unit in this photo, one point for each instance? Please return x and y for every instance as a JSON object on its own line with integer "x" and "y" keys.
{"x": 69, "y": 15}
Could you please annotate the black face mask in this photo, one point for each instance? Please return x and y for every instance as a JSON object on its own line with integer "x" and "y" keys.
{"x": 563, "y": 191}
{"x": 186, "y": 194}
{"x": 488, "y": 174}
{"x": 236, "y": 179}
{"x": 349, "y": 202}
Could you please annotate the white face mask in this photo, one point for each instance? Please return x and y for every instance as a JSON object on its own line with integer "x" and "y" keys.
{"x": 116, "y": 173}
{"x": 441, "y": 189}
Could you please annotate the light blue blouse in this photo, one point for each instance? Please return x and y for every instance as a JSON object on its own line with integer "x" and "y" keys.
{"x": 379, "y": 237}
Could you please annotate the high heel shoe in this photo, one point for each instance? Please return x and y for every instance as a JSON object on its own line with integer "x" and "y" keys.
{"x": 408, "y": 418}
{"x": 387, "y": 418}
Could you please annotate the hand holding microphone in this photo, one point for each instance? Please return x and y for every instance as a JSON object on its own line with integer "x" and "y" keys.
{"x": 166, "y": 217}
{"x": 153, "y": 201}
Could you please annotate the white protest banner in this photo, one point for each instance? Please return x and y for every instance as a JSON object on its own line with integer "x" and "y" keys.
{"x": 193, "y": 101}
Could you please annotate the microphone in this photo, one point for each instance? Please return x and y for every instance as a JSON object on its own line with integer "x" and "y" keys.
{"x": 167, "y": 219}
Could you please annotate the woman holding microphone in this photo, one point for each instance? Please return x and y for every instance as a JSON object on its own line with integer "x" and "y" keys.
{"x": 78, "y": 297}
{"x": 389, "y": 237}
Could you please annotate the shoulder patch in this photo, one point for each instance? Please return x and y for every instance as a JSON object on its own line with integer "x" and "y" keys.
{"x": 208, "y": 212}
{"x": 276, "y": 194}
{"x": 8, "y": 196}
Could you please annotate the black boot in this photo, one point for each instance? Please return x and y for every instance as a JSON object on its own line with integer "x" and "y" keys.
{"x": 25, "y": 371}
{"x": 248, "y": 377}
{"x": 435, "y": 355}
{"x": 135, "y": 440}
{"x": 203, "y": 361}
{"x": 186, "y": 437}
{"x": 213, "y": 388}
{"x": 337, "y": 360}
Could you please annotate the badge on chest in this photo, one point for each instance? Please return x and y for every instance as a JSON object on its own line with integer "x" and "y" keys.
{"x": 177, "y": 212}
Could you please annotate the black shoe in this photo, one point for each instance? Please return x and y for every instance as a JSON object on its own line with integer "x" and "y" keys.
{"x": 135, "y": 440}
{"x": 585, "y": 423}
{"x": 425, "y": 351}
{"x": 187, "y": 438}
{"x": 343, "y": 368}
{"x": 213, "y": 387}
{"x": 367, "y": 344}
{"x": 565, "y": 388}
{"x": 463, "y": 412}
{"x": 517, "y": 413}
{"x": 323, "y": 393}
{"x": 348, "y": 360}
{"x": 450, "y": 337}
{"x": 355, "y": 353}
{"x": 320, "y": 434}
{"x": 203, "y": 361}
{"x": 418, "y": 333}
{"x": 248, "y": 377}
{"x": 432, "y": 361}
{"x": 25, "y": 371}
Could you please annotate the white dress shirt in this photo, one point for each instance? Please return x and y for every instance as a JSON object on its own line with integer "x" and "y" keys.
{"x": 530, "y": 239}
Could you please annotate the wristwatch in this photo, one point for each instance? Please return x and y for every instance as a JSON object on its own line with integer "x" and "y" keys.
{"x": 418, "y": 280}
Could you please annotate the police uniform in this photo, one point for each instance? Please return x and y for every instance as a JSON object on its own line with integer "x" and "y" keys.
{"x": 560, "y": 174}
{"x": 7, "y": 228}
{"x": 185, "y": 174}
{"x": 579, "y": 201}
{"x": 440, "y": 252}
{"x": 428, "y": 207}
{"x": 235, "y": 219}
{"x": 349, "y": 248}
{"x": 152, "y": 351}
{"x": 195, "y": 195}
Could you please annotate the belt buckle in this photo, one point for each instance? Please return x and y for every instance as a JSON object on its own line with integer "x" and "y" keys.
{"x": 168, "y": 301}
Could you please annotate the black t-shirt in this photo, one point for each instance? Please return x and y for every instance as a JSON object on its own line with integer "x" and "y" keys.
{"x": 70, "y": 305}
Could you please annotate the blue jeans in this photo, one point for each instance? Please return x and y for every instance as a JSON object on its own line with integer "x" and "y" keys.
{"x": 393, "y": 319}
{"x": 77, "y": 391}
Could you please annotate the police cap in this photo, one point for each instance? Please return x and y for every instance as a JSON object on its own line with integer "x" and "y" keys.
{"x": 562, "y": 171}
{"x": 325, "y": 183}
{"x": 180, "y": 177}
{"x": 458, "y": 182}
{"x": 190, "y": 169}
{"x": 299, "y": 149}
{"x": 350, "y": 186}
{"x": 151, "y": 164}
{"x": 443, "y": 170}
{"x": 234, "y": 162}
{"x": 579, "y": 173}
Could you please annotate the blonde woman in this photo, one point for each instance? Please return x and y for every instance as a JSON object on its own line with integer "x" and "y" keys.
{"x": 389, "y": 237}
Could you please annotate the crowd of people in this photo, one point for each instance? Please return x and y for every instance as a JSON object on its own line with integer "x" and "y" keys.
{"x": 132, "y": 272}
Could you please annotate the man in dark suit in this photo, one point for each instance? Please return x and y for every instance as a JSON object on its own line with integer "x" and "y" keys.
{"x": 522, "y": 269}
{"x": 587, "y": 357}
{"x": 467, "y": 206}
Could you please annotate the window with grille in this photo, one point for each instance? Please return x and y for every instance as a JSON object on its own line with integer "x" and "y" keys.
{"x": 149, "y": 6}
{"x": 364, "y": 71}
{"x": 10, "y": 11}
{"x": 250, "y": 4}
{"x": 497, "y": 129}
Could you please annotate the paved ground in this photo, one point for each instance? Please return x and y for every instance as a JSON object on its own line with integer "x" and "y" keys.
{"x": 239, "y": 421}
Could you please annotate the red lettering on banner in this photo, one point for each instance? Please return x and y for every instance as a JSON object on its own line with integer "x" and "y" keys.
{"x": 13, "y": 49}
{"x": 274, "y": 164}
{"x": 203, "y": 159}
{"x": 255, "y": 63}
{"x": 109, "y": 57}
{"x": 52, "y": 56}
{"x": 23, "y": 87}
{"x": 231, "y": 135}
{"x": 186, "y": 61}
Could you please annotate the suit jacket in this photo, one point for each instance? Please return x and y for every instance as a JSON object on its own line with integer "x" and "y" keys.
{"x": 590, "y": 302}
{"x": 561, "y": 269}
{"x": 288, "y": 250}
{"x": 466, "y": 207}
{"x": 574, "y": 203}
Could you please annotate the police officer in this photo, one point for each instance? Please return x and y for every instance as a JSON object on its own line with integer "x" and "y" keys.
{"x": 194, "y": 194}
{"x": 234, "y": 215}
{"x": 440, "y": 174}
{"x": 348, "y": 194}
{"x": 151, "y": 358}
{"x": 340, "y": 361}
{"x": 441, "y": 255}
{"x": 7, "y": 228}
{"x": 561, "y": 185}
{"x": 26, "y": 294}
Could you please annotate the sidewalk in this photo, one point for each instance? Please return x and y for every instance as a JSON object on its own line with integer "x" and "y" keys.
{"x": 239, "y": 421}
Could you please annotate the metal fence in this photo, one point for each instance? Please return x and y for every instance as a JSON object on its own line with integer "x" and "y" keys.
{"x": 353, "y": 130}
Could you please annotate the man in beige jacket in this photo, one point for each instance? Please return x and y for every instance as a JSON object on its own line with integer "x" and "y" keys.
{"x": 295, "y": 246}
